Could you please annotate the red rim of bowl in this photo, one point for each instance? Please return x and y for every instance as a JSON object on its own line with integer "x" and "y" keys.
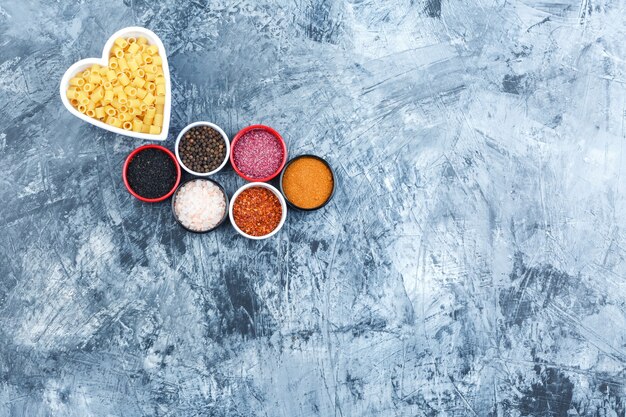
{"x": 132, "y": 155}
{"x": 238, "y": 136}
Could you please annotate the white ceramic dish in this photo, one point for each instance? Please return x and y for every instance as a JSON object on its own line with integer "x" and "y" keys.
{"x": 224, "y": 137}
{"x": 276, "y": 193}
{"x": 85, "y": 63}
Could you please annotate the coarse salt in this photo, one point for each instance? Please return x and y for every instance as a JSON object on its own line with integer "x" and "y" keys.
{"x": 200, "y": 205}
{"x": 258, "y": 154}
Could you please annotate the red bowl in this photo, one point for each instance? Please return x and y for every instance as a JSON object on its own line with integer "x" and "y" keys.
{"x": 132, "y": 155}
{"x": 233, "y": 145}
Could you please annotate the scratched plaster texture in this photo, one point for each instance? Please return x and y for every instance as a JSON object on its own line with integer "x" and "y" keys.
{"x": 472, "y": 262}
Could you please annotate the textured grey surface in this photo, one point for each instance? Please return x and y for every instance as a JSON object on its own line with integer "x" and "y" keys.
{"x": 472, "y": 263}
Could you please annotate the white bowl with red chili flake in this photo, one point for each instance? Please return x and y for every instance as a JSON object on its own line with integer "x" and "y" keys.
{"x": 257, "y": 210}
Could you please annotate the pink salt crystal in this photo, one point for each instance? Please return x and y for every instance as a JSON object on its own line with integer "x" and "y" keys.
{"x": 258, "y": 154}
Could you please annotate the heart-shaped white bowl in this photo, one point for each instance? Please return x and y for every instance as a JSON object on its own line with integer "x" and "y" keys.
{"x": 104, "y": 61}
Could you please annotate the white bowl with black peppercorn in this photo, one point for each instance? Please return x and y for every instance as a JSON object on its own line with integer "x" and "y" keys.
{"x": 202, "y": 149}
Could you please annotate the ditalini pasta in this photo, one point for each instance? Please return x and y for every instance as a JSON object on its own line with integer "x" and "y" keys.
{"x": 129, "y": 93}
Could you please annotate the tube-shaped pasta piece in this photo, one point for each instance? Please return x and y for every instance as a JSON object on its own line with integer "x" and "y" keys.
{"x": 155, "y": 130}
{"x": 91, "y": 105}
{"x": 86, "y": 74}
{"x": 160, "y": 108}
{"x": 114, "y": 63}
{"x": 143, "y": 107}
{"x": 147, "y": 59}
{"x": 131, "y": 39}
{"x": 160, "y": 90}
{"x": 90, "y": 113}
{"x": 107, "y": 85}
{"x": 111, "y": 75}
{"x": 74, "y": 102}
{"x": 98, "y": 94}
{"x": 123, "y": 78}
{"x": 95, "y": 77}
{"x": 100, "y": 113}
{"x": 108, "y": 96}
{"x": 122, "y": 63}
{"x": 152, "y": 50}
{"x": 82, "y": 108}
{"x": 122, "y": 99}
{"x": 118, "y": 89}
{"x": 141, "y": 93}
{"x": 132, "y": 65}
{"x": 110, "y": 110}
{"x": 151, "y": 112}
{"x": 82, "y": 97}
{"x": 95, "y": 68}
{"x": 159, "y": 101}
{"x": 87, "y": 87}
{"x": 150, "y": 69}
{"x": 148, "y": 99}
{"x": 121, "y": 42}
{"x": 156, "y": 60}
{"x": 134, "y": 103}
{"x": 117, "y": 122}
{"x": 132, "y": 111}
{"x": 117, "y": 52}
{"x": 130, "y": 91}
{"x": 137, "y": 125}
{"x": 140, "y": 73}
{"x": 160, "y": 79}
{"x": 127, "y": 125}
{"x": 133, "y": 48}
{"x": 138, "y": 59}
{"x": 114, "y": 82}
{"x": 79, "y": 82}
{"x": 138, "y": 82}
{"x": 145, "y": 128}
{"x": 70, "y": 93}
{"x": 115, "y": 103}
{"x": 123, "y": 116}
{"x": 123, "y": 108}
{"x": 158, "y": 120}
{"x": 109, "y": 120}
{"x": 150, "y": 77}
{"x": 103, "y": 71}
{"x": 151, "y": 87}
{"x": 142, "y": 40}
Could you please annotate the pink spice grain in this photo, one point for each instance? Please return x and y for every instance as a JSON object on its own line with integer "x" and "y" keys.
{"x": 258, "y": 154}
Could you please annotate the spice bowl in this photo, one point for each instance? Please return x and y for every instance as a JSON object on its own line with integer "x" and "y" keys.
{"x": 258, "y": 153}
{"x": 156, "y": 168}
{"x": 205, "y": 136}
{"x": 244, "y": 191}
{"x": 204, "y": 198}
{"x": 307, "y": 182}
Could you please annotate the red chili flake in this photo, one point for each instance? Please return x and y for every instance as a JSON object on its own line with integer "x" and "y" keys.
{"x": 258, "y": 154}
{"x": 257, "y": 211}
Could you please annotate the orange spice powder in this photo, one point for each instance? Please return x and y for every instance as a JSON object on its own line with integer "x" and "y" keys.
{"x": 307, "y": 183}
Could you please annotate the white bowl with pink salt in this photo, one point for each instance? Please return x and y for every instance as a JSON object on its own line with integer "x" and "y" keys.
{"x": 200, "y": 205}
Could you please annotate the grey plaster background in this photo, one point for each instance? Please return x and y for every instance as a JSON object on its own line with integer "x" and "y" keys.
{"x": 472, "y": 262}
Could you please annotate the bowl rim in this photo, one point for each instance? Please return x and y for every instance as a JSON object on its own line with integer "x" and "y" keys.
{"x": 104, "y": 60}
{"x": 226, "y": 199}
{"x": 129, "y": 158}
{"x": 271, "y": 131}
{"x": 224, "y": 138}
{"x": 277, "y": 193}
{"x": 332, "y": 174}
